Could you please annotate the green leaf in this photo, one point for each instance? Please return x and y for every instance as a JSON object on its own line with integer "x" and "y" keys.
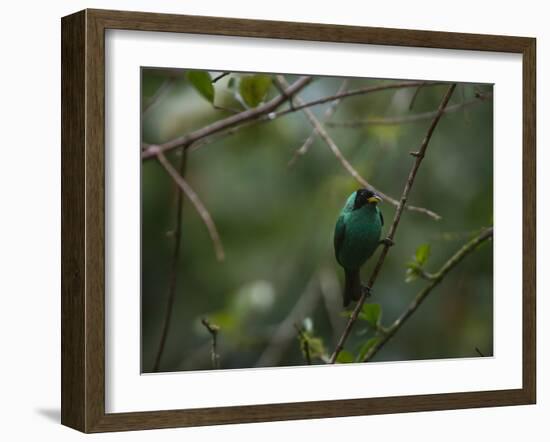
{"x": 316, "y": 346}
{"x": 202, "y": 82}
{"x": 344, "y": 357}
{"x": 366, "y": 347}
{"x": 412, "y": 265}
{"x": 372, "y": 313}
{"x": 254, "y": 88}
{"x": 422, "y": 254}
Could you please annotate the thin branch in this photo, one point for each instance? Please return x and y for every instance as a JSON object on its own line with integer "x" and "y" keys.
{"x": 195, "y": 200}
{"x": 418, "y": 157}
{"x": 305, "y": 343}
{"x": 219, "y": 77}
{"x": 415, "y": 96}
{"x": 423, "y": 294}
{"x": 213, "y": 330}
{"x": 426, "y": 275}
{"x": 227, "y": 109}
{"x": 391, "y": 121}
{"x": 173, "y": 270}
{"x": 313, "y": 135}
{"x": 226, "y": 123}
{"x": 306, "y": 351}
{"x": 354, "y": 92}
{"x": 345, "y": 163}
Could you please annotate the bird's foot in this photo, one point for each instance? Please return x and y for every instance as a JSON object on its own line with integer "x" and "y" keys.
{"x": 388, "y": 242}
{"x": 366, "y": 290}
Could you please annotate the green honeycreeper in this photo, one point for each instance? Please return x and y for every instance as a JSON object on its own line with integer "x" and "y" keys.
{"x": 356, "y": 237}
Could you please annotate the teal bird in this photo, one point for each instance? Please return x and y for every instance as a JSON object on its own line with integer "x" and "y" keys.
{"x": 356, "y": 237}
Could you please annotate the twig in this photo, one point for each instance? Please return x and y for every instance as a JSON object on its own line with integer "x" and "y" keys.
{"x": 213, "y": 330}
{"x": 390, "y": 121}
{"x": 281, "y": 90}
{"x": 418, "y": 157}
{"x": 347, "y": 165}
{"x": 195, "y": 200}
{"x": 173, "y": 270}
{"x": 426, "y": 275}
{"x": 226, "y": 123}
{"x": 226, "y": 109}
{"x": 423, "y": 294}
{"x": 219, "y": 77}
{"x": 415, "y": 96}
{"x": 326, "y": 117}
{"x": 306, "y": 351}
{"x": 305, "y": 343}
{"x": 354, "y": 92}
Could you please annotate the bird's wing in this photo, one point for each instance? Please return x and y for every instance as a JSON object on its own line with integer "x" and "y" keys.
{"x": 339, "y": 234}
{"x": 381, "y": 217}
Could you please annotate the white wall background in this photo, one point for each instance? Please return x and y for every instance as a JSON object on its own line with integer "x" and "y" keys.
{"x": 30, "y": 218}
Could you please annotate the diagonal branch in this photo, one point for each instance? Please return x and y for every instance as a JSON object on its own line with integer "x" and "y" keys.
{"x": 313, "y": 135}
{"x": 423, "y": 294}
{"x": 195, "y": 200}
{"x": 219, "y": 77}
{"x": 419, "y": 156}
{"x": 345, "y": 163}
{"x": 226, "y": 123}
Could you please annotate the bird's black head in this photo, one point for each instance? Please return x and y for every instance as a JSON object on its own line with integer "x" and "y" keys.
{"x": 365, "y": 196}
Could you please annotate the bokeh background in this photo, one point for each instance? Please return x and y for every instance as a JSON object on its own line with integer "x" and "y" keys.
{"x": 276, "y": 223}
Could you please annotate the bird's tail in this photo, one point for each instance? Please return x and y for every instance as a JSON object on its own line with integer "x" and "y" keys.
{"x": 352, "y": 288}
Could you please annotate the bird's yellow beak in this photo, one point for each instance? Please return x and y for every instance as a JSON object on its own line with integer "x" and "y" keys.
{"x": 375, "y": 199}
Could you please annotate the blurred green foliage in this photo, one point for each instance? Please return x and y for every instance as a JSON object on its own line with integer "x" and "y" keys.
{"x": 276, "y": 224}
{"x": 202, "y": 82}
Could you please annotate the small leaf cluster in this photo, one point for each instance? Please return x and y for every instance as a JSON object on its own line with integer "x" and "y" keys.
{"x": 415, "y": 267}
{"x": 371, "y": 316}
{"x": 311, "y": 343}
{"x": 250, "y": 90}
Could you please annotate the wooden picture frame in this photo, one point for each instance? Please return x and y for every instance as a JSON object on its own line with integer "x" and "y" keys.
{"x": 83, "y": 220}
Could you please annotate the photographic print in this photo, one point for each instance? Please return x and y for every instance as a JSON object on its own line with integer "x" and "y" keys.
{"x": 293, "y": 220}
{"x": 248, "y": 204}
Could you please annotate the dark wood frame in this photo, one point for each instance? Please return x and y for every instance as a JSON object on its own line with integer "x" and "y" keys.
{"x": 83, "y": 217}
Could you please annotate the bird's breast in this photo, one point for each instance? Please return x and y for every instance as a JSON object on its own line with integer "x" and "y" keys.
{"x": 363, "y": 229}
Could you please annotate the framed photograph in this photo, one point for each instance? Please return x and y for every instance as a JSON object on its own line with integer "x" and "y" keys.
{"x": 268, "y": 220}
